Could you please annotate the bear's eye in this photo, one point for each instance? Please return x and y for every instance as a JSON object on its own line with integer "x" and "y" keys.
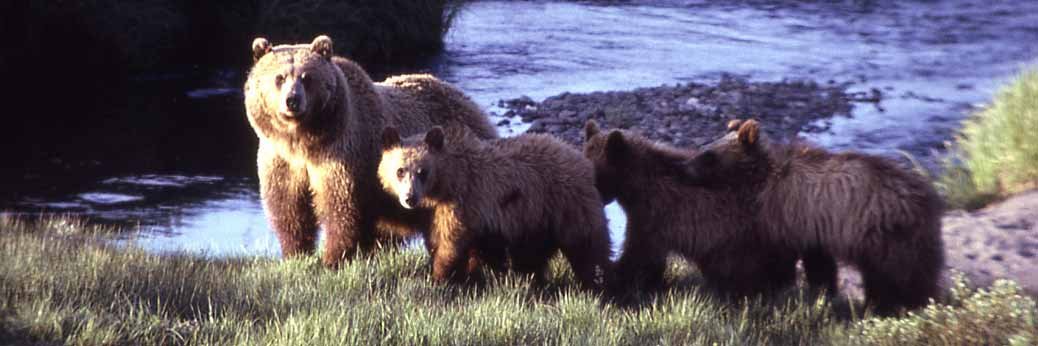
{"x": 400, "y": 173}
{"x": 421, "y": 174}
{"x": 304, "y": 77}
{"x": 279, "y": 79}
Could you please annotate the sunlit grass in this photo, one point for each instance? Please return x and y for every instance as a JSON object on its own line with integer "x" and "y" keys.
{"x": 59, "y": 283}
{"x": 997, "y": 152}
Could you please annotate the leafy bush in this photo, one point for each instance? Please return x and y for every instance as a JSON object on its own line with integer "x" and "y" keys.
{"x": 1000, "y": 315}
{"x": 997, "y": 152}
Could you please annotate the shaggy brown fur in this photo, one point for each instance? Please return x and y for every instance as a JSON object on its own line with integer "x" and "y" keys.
{"x": 664, "y": 215}
{"x": 862, "y": 209}
{"x": 527, "y": 197}
{"x": 318, "y": 118}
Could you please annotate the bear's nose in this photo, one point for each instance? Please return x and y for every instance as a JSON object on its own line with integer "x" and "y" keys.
{"x": 411, "y": 200}
{"x": 292, "y": 102}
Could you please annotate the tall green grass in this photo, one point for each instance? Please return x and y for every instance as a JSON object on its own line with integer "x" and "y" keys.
{"x": 997, "y": 152}
{"x": 61, "y": 283}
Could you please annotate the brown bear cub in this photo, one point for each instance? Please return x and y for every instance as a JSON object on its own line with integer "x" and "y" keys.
{"x": 517, "y": 200}
{"x": 861, "y": 209}
{"x": 665, "y": 215}
{"x": 319, "y": 118}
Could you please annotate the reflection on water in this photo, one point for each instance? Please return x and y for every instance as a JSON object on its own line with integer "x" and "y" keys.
{"x": 206, "y": 214}
{"x": 201, "y": 214}
{"x": 223, "y": 227}
{"x": 931, "y": 60}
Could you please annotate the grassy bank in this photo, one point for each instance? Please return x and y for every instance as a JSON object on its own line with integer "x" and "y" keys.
{"x": 997, "y": 152}
{"x": 59, "y": 284}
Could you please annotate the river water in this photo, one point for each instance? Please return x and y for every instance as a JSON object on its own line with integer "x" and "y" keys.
{"x": 932, "y": 61}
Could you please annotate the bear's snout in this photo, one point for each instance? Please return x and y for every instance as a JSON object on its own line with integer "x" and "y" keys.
{"x": 411, "y": 200}
{"x": 293, "y": 103}
{"x": 294, "y": 100}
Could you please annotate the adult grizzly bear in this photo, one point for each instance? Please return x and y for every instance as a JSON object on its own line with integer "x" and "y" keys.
{"x": 665, "y": 215}
{"x": 862, "y": 209}
{"x": 318, "y": 118}
{"x": 527, "y": 197}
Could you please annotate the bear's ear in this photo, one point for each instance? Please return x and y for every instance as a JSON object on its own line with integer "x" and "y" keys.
{"x": 390, "y": 137}
{"x": 260, "y": 47}
{"x": 590, "y": 129}
{"x": 322, "y": 45}
{"x": 733, "y": 125}
{"x": 434, "y": 138}
{"x": 749, "y": 133}
{"x": 616, "y": 146}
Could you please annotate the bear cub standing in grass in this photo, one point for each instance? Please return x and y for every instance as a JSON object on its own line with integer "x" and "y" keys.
{"x": 666, "y": 215}
{"x": 518, "y": 199}
{"x": 318, "y": 118}
{"x": 862, "y": 209}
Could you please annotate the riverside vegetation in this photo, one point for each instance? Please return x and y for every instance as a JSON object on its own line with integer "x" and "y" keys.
{"x": 996, "y": 154}
{"x": 62, "y": 283}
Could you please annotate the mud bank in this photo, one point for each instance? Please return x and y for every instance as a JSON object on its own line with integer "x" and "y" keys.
{"x": 693, "y": 113}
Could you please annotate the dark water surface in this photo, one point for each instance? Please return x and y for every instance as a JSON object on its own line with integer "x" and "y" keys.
{"x": 933, "y": 62}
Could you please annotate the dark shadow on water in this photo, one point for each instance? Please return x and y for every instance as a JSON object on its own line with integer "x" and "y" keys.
{"x": 153, "y": 126}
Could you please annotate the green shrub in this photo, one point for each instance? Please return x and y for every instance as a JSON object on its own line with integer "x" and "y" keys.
{"x": 997, "y": 152}
{"x": 1000, "y": 315}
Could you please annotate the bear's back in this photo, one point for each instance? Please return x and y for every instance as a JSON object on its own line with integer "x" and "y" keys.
{"x": 837, "y": 194}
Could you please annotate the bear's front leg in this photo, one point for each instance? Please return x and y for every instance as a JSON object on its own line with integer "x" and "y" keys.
{"x": 345, "y": 211}
{"x": 451, "y": 256}
{"x": 451, "y": 263}
{"x": 285, "y": 193}
{"x": 641, "y": 267}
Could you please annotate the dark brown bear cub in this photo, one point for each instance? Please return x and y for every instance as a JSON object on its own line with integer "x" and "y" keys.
{"x": 318, "y": 118}
{"x": 861, "y": 209}
{"x": 665, "y": 215}
{"x": 521, "y": 199}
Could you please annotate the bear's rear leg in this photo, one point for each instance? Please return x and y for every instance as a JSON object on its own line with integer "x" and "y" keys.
{"x": 639, "y": 270}
{"x": 821, "y": 271}
{"x": 904, "y": 274}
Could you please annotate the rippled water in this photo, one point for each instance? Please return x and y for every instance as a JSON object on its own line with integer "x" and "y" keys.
{"x": 932, "y": 61}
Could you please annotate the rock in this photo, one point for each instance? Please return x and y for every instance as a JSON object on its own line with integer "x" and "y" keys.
{"x": 999, "y": 241}
{"x": 537, "y": 126}
{"x": 531, "y": 116}
{"x": 504, "y": 122}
